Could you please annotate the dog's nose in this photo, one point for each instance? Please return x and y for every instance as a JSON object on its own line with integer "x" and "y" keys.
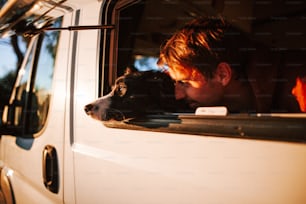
{"x": 88, "y": 108}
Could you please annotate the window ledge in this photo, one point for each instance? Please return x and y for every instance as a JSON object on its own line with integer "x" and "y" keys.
{"x": 265, "y": 127}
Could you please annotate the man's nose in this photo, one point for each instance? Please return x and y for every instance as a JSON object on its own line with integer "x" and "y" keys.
{"x": 179, "y": 92}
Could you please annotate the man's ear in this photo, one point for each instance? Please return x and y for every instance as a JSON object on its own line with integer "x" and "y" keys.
{"x": 129, "y": 70}
{"x": 224, "y": 73}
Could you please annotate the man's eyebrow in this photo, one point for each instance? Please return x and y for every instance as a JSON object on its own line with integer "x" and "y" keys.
{"x": 183, "y": 80}
{"x": 187, "y": 78}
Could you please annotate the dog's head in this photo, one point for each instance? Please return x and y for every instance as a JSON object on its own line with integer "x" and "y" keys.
{"x": 136, "y": 94}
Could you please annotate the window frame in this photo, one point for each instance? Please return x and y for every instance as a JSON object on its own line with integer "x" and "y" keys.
{"x": 276, "y": 127}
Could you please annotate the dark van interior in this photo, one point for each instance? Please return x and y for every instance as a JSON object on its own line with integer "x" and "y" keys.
{"x": 275, "y": 65}
{"x": 275, "y": 61}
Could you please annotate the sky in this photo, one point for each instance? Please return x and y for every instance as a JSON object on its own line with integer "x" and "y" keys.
{"x": 8, "y": 57}
{"x": 8, "y": 61}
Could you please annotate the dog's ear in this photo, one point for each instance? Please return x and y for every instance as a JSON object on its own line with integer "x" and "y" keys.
{"x": 130, "y": 69}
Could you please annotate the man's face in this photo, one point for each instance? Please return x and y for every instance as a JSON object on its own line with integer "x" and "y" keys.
{"x": 196, "y": 89}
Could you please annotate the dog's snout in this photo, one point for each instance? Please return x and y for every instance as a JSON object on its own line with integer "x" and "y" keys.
{"x": 99, "y": 108}
{"x": 88, "y": 108}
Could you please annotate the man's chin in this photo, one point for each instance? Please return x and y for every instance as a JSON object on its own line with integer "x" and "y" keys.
{"x": 194, "y": 105}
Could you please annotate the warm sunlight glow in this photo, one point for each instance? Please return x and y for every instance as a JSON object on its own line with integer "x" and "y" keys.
{"x": 299, "y": 91}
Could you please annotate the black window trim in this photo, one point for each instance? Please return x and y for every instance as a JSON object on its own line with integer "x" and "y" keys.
{"x": 105, "y": 44}
{"x": 288, "y": 129}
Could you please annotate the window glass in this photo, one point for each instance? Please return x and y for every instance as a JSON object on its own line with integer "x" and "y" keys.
{"x": 40, "y": 93}
{"x": 2, "y": 2}
{"x": 20, "y": 97}
{"x": 30, "y": 98}
{"x": 12, "y": 51}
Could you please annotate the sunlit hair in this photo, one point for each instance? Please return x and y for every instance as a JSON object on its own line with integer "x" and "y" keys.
{"x": 202, "y": 44}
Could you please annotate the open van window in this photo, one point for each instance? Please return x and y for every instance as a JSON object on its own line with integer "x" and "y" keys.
{"x": 275, "y": 73}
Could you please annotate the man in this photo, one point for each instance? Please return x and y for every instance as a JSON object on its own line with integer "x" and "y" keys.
{"x": 206, "y": 59}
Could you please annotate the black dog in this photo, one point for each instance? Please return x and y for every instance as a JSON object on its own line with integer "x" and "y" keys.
{"x": 137, "y": 94}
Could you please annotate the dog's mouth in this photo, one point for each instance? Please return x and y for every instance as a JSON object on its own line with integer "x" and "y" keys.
{"x": 113, "y": 114}
{"x": 105, "y": 114}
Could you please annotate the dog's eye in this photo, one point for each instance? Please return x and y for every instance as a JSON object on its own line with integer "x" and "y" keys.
{"x": 182, "y": 83}
{"x": 121, "y": 89}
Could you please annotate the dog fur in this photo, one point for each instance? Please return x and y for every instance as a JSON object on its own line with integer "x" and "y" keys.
{"x": 137, "y": 94}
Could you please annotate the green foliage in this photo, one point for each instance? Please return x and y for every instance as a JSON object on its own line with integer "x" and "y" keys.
{"x": 6, "y": 85}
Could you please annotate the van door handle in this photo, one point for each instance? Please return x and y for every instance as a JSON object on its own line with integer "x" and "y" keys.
{"x": 50, "y": 169}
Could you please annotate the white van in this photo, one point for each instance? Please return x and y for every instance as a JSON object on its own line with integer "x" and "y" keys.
{"x": 57, "y": 56}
